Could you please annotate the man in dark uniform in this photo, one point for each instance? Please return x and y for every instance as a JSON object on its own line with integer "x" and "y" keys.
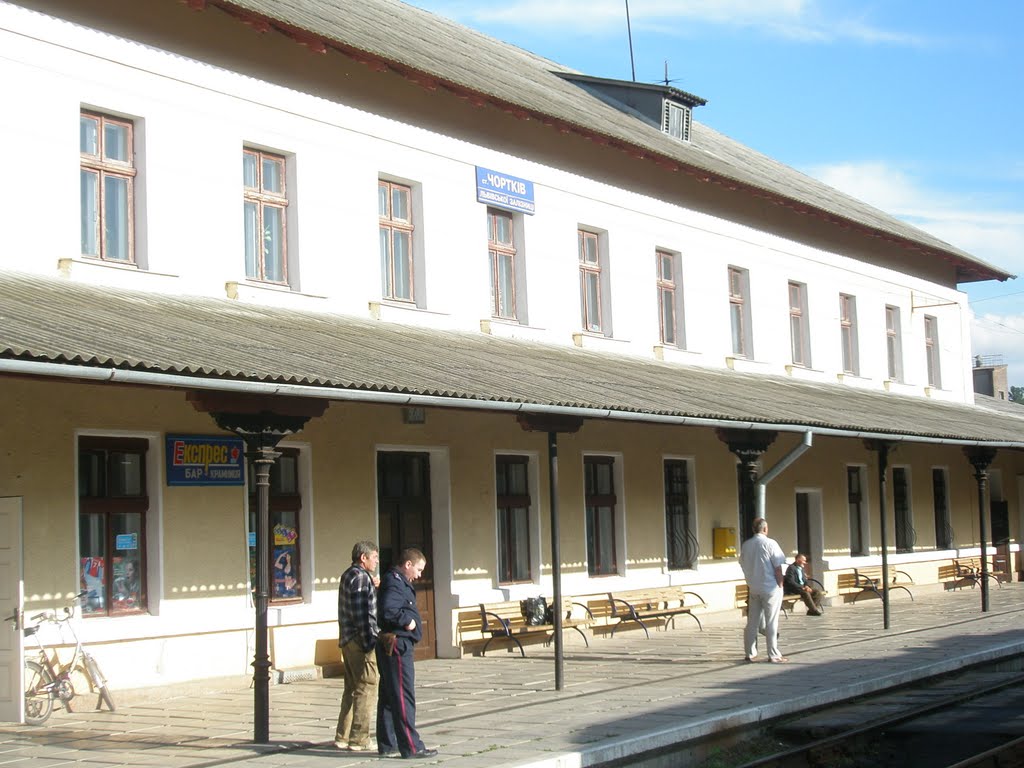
{"x": 400, "y": 630}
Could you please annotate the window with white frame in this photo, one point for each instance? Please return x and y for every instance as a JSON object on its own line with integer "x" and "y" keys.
{"x": 906, "y": 536}
{"x": 739, "y": 312}
{"x": 107, "y": 149}
{"x": 893, "y": 343}
{"x": 680, "y": 528}
{"x": 265, "y": 213}
{"x": 848, "y": 333}
{"x": 856, "y": 502}
{"x": 501, "y": 250}
{"x": 512, "y": 488}
{"x": 284, "y": 550}
{"x": 595, "y": 313}
{"x": 799, "y": 332}
{"x": 931, "y": 351}
{"x": 394, "y": 208}
{"x": 940, "y": 505}
{"x": 113, "y": 507}
{"x": 601, "y": 503}
{"x": 670, "y": 299}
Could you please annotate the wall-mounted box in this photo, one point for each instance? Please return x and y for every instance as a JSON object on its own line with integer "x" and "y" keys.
{"x": 723, "y": 542}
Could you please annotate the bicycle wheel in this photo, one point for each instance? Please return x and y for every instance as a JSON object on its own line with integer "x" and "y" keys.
{"x": 82, "y": 689}
{"x": 100, "y": 682}
{"x": 38, "y": 701}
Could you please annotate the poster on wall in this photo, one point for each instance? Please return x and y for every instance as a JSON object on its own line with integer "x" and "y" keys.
{"x": 92, "y": 583}
{"x": 286, "y": 575}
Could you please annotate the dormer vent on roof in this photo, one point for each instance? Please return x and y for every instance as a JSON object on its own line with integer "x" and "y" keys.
{"x": 666, "y": 107}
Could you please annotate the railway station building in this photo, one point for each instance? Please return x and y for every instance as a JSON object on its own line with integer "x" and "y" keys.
{"x": 452, "y": 257}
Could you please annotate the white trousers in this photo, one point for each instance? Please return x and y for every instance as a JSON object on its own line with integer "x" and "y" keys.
{"x": 762, "y": 607}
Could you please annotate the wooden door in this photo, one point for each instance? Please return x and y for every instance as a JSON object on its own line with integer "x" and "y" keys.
{"x": 404, "y": 520}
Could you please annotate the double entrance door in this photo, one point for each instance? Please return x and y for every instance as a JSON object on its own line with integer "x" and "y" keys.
{"x": 404, "y": 520}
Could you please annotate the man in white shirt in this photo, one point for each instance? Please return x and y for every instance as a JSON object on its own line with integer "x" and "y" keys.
{"x": 762, "y": 559}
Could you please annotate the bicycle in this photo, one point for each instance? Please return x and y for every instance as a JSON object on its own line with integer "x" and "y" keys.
{"x": 49, "y": 682}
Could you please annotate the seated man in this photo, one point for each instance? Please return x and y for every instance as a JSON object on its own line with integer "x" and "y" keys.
{"x": 796, "y": 584}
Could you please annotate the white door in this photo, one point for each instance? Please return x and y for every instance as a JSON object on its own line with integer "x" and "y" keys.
{"x": 11, "y": 648}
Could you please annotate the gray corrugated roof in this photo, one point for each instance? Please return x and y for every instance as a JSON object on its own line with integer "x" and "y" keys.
{"x": 455, "y": 54}
{"x": 54, "y": 320}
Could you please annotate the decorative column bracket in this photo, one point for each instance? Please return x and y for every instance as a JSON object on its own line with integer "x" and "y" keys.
{"x": 747, "y": 445}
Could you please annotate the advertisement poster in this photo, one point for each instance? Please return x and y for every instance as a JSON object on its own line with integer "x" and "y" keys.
{"x": 205, "y": 460}
{"x": 286, "y": 576}
{"x": 92, "y": 583}
{"x": 127, "y": 587}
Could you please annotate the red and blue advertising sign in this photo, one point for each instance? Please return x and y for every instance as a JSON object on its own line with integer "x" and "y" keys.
{"x": 205, "y": 460}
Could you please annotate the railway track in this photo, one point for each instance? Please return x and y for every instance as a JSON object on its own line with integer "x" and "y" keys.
{"x": 974, "y": 719}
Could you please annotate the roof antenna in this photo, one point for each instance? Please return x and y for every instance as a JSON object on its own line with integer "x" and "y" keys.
{"x": 629, "y": 32}
{"x": 666, "y": 72}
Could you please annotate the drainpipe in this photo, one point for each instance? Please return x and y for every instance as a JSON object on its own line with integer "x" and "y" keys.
{"x": 778, "y": 469}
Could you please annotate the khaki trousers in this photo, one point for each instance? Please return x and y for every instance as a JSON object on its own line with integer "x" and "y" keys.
{"x": 359, "y": 701}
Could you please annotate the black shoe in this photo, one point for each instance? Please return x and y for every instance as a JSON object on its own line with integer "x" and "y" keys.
{"x": 421, "y": 754}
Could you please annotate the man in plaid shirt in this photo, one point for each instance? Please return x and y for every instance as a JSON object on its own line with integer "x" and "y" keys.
{"x": 357, "y": 636}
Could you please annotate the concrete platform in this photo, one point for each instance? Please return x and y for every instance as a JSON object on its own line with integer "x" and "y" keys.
{"x": 622, "y": 697}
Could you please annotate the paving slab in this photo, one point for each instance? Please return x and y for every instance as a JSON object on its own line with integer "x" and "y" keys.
{"x": 621, "y": 697}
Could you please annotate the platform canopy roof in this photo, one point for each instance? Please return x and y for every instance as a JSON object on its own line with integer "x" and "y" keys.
{"x": 57, "y": 327}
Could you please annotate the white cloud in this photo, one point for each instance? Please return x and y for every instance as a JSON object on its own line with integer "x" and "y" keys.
{"x": 804, "y": 20}
{"x": 993, "y": 235}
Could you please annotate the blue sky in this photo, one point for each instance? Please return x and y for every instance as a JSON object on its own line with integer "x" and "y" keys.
{"x": 914, "y": 106}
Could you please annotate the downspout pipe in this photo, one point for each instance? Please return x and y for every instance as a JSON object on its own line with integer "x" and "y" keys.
{"x": 778, "y": 469}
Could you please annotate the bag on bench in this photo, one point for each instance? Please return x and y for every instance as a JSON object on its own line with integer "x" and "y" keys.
{"x": 535, "y": 610}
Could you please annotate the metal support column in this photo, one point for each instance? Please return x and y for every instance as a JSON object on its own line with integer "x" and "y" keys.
{"x": 556, "y": 556}
{"x": 980, "y": 459}
{"x": 882, "y": 448}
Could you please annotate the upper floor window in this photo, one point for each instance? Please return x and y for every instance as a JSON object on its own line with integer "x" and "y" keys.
{"x": 593, "y": 280}
{"x": 266, "y": 202}
{"x": 670, "y": 299}
{"x": 512, "y": 487}
{"x": 113, "y": 502}
{"x": 676, "y": 121}
{"x": 931, "y": 351}
{"x": 848, "y": 333}
{"x": 108, "y": 171}
{"x": 501, "y": 250}
{"x": 893, "y": 343}
{"x": 739, "y": 312}
{"x": 394, "y": 207}
{"x": 799, "y": 334}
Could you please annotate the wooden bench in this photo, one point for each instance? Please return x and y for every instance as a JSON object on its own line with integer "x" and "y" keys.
{"x": 969, "y": 569}
{"x": 865, "y": 580}
{"x": 788, "y": 601}
{"x": 506, "y": 620}
{"x": 638, "y": 605}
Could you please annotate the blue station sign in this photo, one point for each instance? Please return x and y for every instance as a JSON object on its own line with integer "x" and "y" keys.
{"x": 205, "y": 460}
{"x": 504, "y": 191}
